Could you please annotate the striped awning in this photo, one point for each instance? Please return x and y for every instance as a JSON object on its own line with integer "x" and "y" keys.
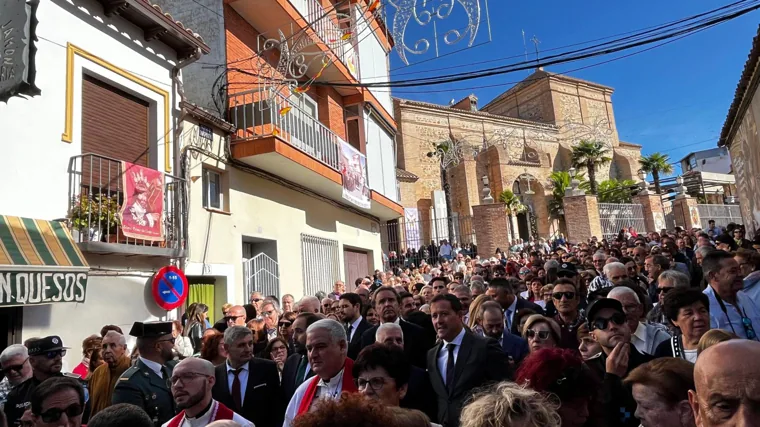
{"x": 39, "y": 263}
{"x": 37, "y": 243}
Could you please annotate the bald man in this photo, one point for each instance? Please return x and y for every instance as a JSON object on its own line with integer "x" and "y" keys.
{"x": 308, "y": 304}
{"x": 727, "y": 383}
{"x": 191, "y": 381}
{"x": 235, "y": 316}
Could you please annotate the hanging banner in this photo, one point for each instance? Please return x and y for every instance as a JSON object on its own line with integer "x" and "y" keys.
{"x": 353, "y": 167}
{"x": 412, "y": 227}
{"x": 143, "y": 208}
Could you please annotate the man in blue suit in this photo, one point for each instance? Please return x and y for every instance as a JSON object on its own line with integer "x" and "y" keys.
{"x": 493, "y": 326}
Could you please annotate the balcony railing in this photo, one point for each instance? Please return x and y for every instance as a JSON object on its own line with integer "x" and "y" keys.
{"x": 330, "y": 32}
{"x": 255, "y": 118}
{"x": 96, "y": 194}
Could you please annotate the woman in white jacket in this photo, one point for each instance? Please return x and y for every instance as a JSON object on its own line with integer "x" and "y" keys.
{"x": 183, "y": 347}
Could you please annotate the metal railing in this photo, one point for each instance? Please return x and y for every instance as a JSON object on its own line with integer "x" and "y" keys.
{"x": 616, "y": 216}
{"x": 255, "y": 115}
{"x": 321, "y": 264}
{"x": 262, "y": 274}
{"x": 95, "y": 198}
{"x": 410, "y": 238}
{"x": 722, "y": 214}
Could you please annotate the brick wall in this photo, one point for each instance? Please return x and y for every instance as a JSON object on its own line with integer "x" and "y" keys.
{"x": 489, "y": 222}
{"x": 331, "y": 112}
{"x": 651, "y": 205}
{"x": 582, "y": 218}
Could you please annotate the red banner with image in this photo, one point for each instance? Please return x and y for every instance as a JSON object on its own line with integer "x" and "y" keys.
{"x": 142, "y": 211}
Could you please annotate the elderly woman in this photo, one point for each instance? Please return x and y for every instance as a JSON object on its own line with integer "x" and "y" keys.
{"x": 277, "y": 351}
{"x": 507, "y": 404}
{"x": 661, "y": 390}
{"x": 541, "y": 332}
{"x": 90, "y": 345}
{"x": 689, "y": 310}
{"x": 666, "y": 282}
{"x": 562, "y": 374}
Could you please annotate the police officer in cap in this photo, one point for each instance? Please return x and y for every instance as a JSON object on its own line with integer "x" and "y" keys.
{"x": 45, "y": 356}
{"x": 146, "y": 384}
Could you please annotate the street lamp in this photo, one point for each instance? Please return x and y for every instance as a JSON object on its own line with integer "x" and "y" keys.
{"x": 487, "y": 198}
{"x": 572, "y": 172}
{"x": 644, "y": 184}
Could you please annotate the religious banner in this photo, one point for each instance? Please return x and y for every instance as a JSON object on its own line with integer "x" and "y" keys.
{"x": 143, "y": 208}
{"x": 412, "y": 227}
{"x": 353, "y": 167}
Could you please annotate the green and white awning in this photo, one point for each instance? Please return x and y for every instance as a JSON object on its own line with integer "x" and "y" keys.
{"x": 39, "y": 263}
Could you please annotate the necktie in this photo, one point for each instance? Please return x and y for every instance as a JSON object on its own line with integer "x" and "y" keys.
{"x": 301, "y": 373}
{"x": 167, "y": 377}
{"x": 450, "y": 367}
{"x": 508, "y": 319}
{"x": 348, "y": 330}
{"x": 237, "y": 398}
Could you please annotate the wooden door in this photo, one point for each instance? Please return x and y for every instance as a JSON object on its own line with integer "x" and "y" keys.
{"x": 357, "y": 265}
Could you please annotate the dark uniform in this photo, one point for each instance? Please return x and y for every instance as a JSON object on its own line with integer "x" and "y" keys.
{"x": 142, "y": 386}
{"x": 20, "y": 397}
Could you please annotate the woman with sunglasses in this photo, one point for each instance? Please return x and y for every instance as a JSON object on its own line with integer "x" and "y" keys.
{"x": 285, "y": 328}
{"x": 541, "y": 332}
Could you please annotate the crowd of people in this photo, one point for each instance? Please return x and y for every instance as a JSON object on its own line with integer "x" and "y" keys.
{"x": 651, "y": 329}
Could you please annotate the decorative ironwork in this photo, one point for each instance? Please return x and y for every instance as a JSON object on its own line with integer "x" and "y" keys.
{"x": 598, "y": 129}
{"x": 428, "y": 13}
{"x": 17, "y": 48}
{"x": 449, "y": 153}
{"x": 616, "y": 216}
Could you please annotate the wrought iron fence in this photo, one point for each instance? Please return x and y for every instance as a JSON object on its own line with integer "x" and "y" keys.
{"x": 722, "y": 214}
{"x": 254, "y": 118}
{"x": 96, "y": 195}
{"x": 616, "y": 216}
{"x": 413, "y": 241}
{"x": 262, "y": 274}
{"x": 321, "y": 264}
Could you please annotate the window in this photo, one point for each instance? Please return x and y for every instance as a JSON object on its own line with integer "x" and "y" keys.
{"x": 213, "y": 197}
{"x": 692, "y": 162}
{"x": 321, "y": 266}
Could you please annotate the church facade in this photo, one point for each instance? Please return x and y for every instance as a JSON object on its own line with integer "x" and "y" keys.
{"x": 515, "y": 141}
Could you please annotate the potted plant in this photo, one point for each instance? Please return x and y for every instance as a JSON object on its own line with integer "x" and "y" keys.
{"x": 95, "y": 217}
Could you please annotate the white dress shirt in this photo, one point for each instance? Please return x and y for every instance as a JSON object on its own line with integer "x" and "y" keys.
{"x": 354, "y": 325}
{"x": 443, "y": 356}
{"x": 242, "y": 377}
{"x": 153, "y": 366}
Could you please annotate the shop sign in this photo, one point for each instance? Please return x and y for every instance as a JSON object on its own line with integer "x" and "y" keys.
{"x": 34, "y": 288}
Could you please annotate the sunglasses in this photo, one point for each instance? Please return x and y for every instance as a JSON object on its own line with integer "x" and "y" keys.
{"x": 54, "y": 414}
{"x": 232, "y": 318}
{"x": 284, "y": 324}
{"x": 256, "y": 299}
{"x": 558, "y": 295}
{"x": 602, "y": 323}
{"x": 53, "y": 354}
{"x": 664, "y": 290}
{"x": 16, "y": 368}
{"x": 542, "y": 335}
{"x": 748, "y": 329}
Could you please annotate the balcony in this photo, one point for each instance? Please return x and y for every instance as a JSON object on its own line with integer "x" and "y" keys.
{"x": 96, "y": 195}
{"x": 268, "y": 17}
{"x": 284, "y": 139}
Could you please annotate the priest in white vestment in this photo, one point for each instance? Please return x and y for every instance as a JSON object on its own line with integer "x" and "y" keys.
{"x": 191, "y": 382}
{"x": 327, "y": 348}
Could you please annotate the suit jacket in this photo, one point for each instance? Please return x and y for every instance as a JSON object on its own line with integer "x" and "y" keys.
{"x": 424, "y": 321}
{"x": 514, "y": 346}
{"x": 416, "y": 343}
{"x": 522, "y": 304}
{"x": 262, "y": 403}
{"x": 480, "y": 361}
{"x": 356, "y": 342}
{"x": 140, "y": 386}
{"x": 289, "y": 372}
{"x": 419, "y": 393}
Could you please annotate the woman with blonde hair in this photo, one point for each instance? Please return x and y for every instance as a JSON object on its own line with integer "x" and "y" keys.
{"x": 510, "y": 405}
{"x": 712, "y": 337}
{"x": 476, "y": 314}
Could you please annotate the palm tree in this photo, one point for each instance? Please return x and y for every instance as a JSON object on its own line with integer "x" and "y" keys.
{"x": 560, "y": 181}
{"x": 614, "y": 191}
{"x": 656, "y": 164}
{"x": 512, "y": 205}
{"x": 591, "y": 155}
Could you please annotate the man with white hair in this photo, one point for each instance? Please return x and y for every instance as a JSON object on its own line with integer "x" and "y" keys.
{"x": 103, "y": 379}
{"x": 191, "y": 382}
{"x": 14, "y": 361}
{"x": 607, "y": 271}
{"x": 327, "y": 349}
{"x": 308, "y": 304}
{"x": 644, "y": 336}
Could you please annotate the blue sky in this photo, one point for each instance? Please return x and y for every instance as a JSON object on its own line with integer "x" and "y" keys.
{"x": 664, "y": 99}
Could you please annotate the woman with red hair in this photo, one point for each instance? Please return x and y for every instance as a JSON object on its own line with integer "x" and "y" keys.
{"x": 562, "y": 375}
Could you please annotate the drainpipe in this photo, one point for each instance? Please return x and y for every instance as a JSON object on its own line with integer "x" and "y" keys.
{"x": 176, "y": 153}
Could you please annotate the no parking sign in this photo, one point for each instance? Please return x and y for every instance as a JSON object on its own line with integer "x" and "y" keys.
{"x": 170, "y": 287}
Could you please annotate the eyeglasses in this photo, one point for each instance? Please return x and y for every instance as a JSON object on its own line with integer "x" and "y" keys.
{"x": 284, "y": 324}
{"x": 664, "y": 290}
{"x": 16, "y": 368}
{"x": 602, "y": 323}
{"x": 267, "y": 313}
{"x": 53, "y": 354}
{"x": 278, "y": 349}
{"x": 232, "y": 318}
{"x": 558, "y": 295}
{"x": 187, "y": 376}
{"x": 52, "y": 415}
{"x": 542, "y": 335}
{"x": 748, "y": 329}
{"x": 375, "y": 383}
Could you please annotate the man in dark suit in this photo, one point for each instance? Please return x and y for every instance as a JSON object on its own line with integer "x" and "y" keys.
{"x": 349, "y": 312}
{"x": 416, "y": 343}
{"x": 146, "y": 384}
{"x": 461, "y": 362}
{"x": 411, "y": 314}
{"x": 503, "y": 291}
{"x": 493, "y": 326}
{"x": 297, "y": 369}
{"x": 248, "y": 386}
